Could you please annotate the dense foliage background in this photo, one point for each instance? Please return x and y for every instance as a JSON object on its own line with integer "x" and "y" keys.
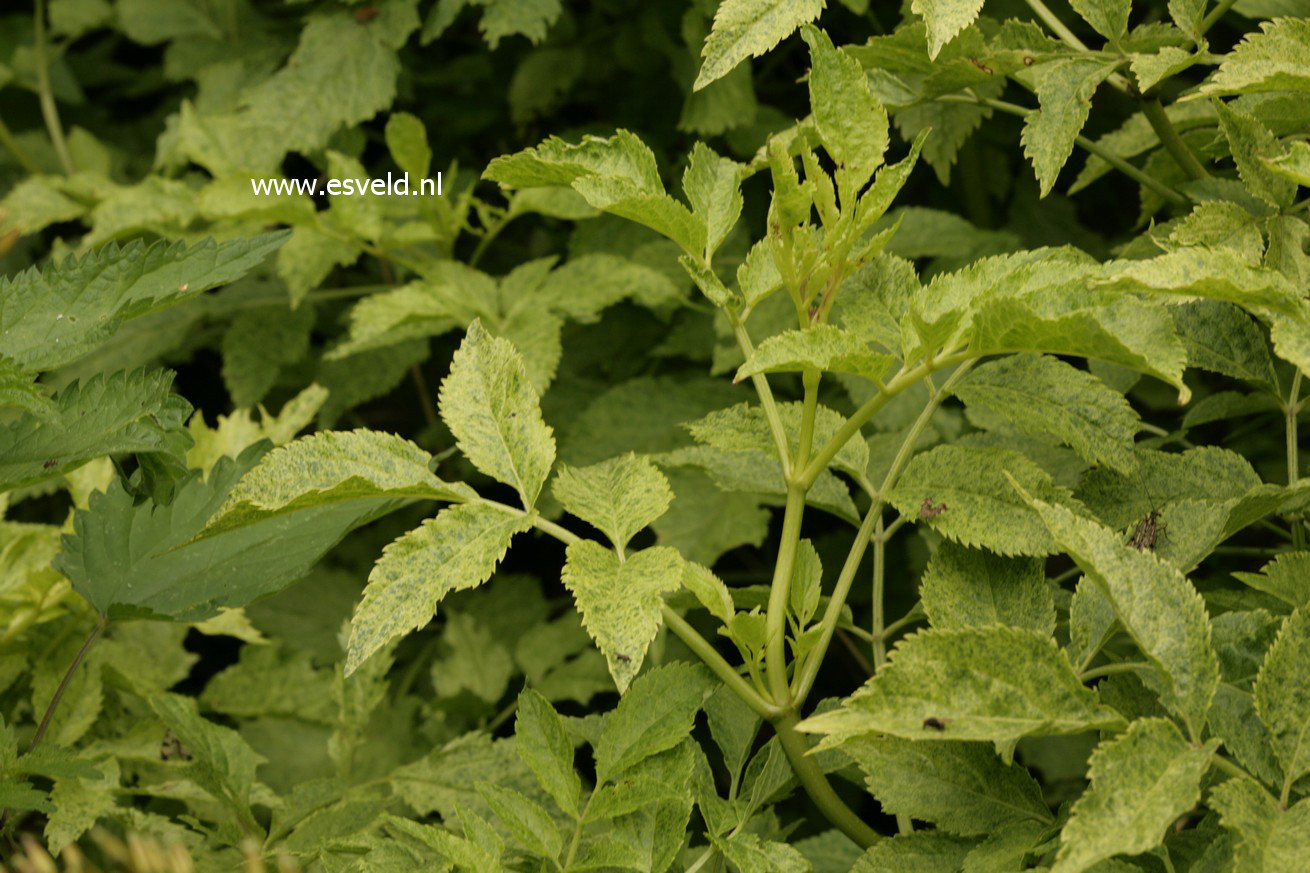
{"x": 1101, "y": 523}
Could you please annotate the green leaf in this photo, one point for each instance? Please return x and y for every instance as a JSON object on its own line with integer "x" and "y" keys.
{"x": 1267, "y": 839}
{"x": 944, "y": 19}
{"x": 544, "y": 746}
{"x": 1142, "y": 781}
{"x": 1222, "y": 338}
{"x": 526, "y": 820}
{"x": 1286, "y": 577}
{"x": 619, "y": 497}
{"x": 960, "y": 491}
{"x": 972, "y": 588}
{"x": 959, "y": 787}
{"x": 1045, "y": 397}
{"x": 407, "y": 140}
{"x": 1064, "y": 89}
{"x": 1272, "y": 60}
{"x": 1155, "y": 603}
{"x": 749, "y": 28}
{"x": 333, "y": 468}
{"x": 124, "y": 413}
{"x": 747, "y": 853}
{"x": 54, "y": 316}
{"x": 616, "y": 175}
{"x": 79, "y": 803}
{"x": 1250, "y": 144}
{"x": 257, "y": 344}
{"x": 1109, "y": 18}
{"x": 1294, "y": 164}
{"x": 493, "y": 411}
{"x": 991, "y": 683}
{"x": 713, "y": 184}
{"x": 821, "y": 347}
{"x": 922, "y": 851}
{"x": 222, "y": 762}
{"x": 621, "y": 600}
{"x": 150, "y": 560}
{"x": 655, "y": 714}
{"x": 851, "y": 122}
{"x": 709, "y": 590}
{"x": 1282, "y": 695}
{"x": 457, "y": 549}
{"x": 19, "y": 389}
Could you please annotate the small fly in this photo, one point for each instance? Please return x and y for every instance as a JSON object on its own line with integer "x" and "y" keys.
{"x": 50, "y": 463}
{"x": 936, "y": 724}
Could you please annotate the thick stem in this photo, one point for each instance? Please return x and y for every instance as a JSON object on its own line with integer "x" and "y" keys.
{"x": 49, "y": 111}
{"x": 775, "y": 651}
{"x": 63, "y": 685}
{"x": 816, "y": 785}
{"x": 1169, "y": 138}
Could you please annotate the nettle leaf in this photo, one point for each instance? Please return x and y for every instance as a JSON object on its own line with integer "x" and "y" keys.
{"x": 494, "y": 413}
{"x": 749, "y": 28}
{"x": 333, "y": 468}
{"x": 944, "y": 19}
{"x": 621, "y": 600}
{"x": 131, "y": 559}
{"x": 544, "y": 746}
{"x": 1272, "y": 60}
{"x": 960, "y": 491}
{"x": 963, "y": 788}
{"x": 820, "y": 347}
{"x": 457, "y": 549}
{"x": 1142, "y": 781}
{"x": 1155, "y": 603}
{"x": 1267, "y": 839}
{"x": 971, "y": 588}
{"x": 19, "y": 389}
{"x": 616, "y": 175}
{"x": 1045, "y": 397}
{"x": 712, "y": 184}
{"x": 619, "y": 497}
{"x": 990, "y": 683}
{"x": 124, "y": 413}
{"x": 1282, "y": 695}
{"x": 656, "y": 714}
{"x": 1064, "y": 89}
{"x": 851, "y": 122}
{"x": 54, "y": 316}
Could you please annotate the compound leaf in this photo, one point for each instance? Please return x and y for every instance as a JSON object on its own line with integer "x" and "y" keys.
{"x": 654, "y": 715}
{"x": 544, "y": 746}
{"x": 850, "y": 120}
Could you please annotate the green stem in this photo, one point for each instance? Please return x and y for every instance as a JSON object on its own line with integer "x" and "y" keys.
{"x": 1111, "y": 669}
{"x": 1084, "y": 143}
{"x": 11, "y": 145}
{"x": 718, "y": 664}
{"x": 1169, "y": 138}
{"x": 1293, "y": 452}
{"x": 577, "y": 833}
{"x": 879, "y": 586}
{"x": 1212, "y": 18}
{"x": 1058, "y": 27}
{"x": 775, "y": 651}
{"x": 915, "y": 614}
{"x": 765, "y": 394}
{"x": 832, "y": 616}
{"x": 49, "y": 111}
{"x": 816, "y": 785}
{"x": 488, "y": 237}
{"x": 63, "y": 685}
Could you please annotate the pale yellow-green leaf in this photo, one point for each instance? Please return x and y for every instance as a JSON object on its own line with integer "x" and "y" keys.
{"x": 944, "y": 19}
{"x": 1064, "y": 89}
{"x": 1142, "y": 781}
{"x": 851, "y": 122}
{"x": 457, "y": 549}
{"x": 821, "y": 347}
{"x": 749, "y": 28}
{"x": 1282, "y": 695}
{"x": 1273, "y": 59}
{"x": 492, "y": 409}
{"x": 1267, "y": 839}
{"x": 621, "y": 602}
{"x": 619, "y": 497}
